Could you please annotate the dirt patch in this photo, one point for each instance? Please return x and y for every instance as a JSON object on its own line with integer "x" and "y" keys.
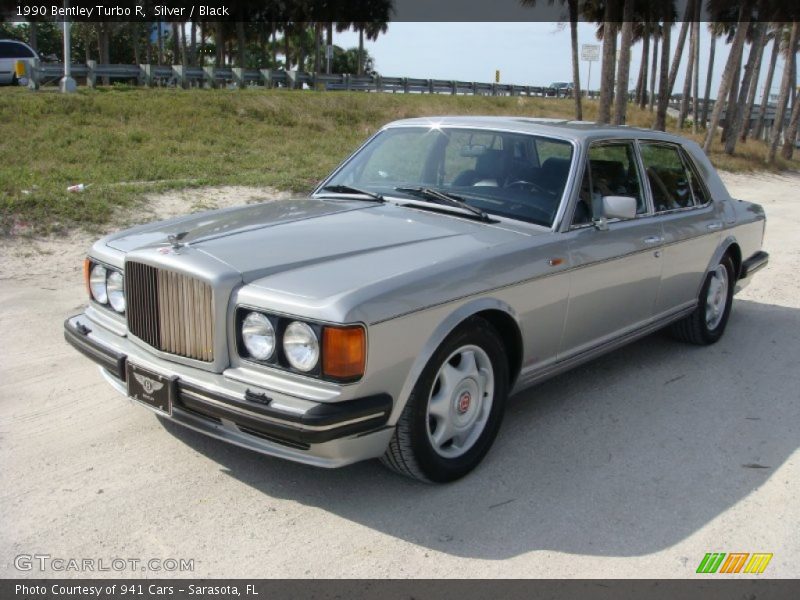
{"x": 24, "y": 258}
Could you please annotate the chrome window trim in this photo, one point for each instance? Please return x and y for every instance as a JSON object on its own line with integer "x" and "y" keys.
{"x": 645, "y": 190}
{"x": 687, "y": 164}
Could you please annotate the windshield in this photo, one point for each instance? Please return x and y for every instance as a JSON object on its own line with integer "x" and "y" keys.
{"x": 505, "y": 174}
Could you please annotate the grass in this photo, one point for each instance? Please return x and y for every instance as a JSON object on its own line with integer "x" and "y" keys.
{"x": 125, "y": 142}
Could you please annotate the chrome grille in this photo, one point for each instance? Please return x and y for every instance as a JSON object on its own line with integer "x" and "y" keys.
{"x": 170, "y": 311}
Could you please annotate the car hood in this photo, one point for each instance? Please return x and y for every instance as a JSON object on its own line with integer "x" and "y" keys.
{"x": 265, "y": 239}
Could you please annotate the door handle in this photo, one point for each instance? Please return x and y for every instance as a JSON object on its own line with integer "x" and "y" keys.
{"x": 714, "y": 226}
{"x": 653, "y": 239}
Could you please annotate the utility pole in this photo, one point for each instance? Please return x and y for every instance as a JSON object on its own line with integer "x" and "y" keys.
{"x": 67, "y": 83}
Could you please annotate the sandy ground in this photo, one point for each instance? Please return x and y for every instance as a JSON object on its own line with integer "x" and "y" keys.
{"x": 635, "y": 465}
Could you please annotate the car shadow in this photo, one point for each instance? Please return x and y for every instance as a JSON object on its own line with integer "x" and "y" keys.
{"x": 624, "y": 456}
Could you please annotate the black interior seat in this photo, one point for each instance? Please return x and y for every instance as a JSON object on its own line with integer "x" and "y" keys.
{"x": 554, "y": 174}
{"x": 488, "y": 168}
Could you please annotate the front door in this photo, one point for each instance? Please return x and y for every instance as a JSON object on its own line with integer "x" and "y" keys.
{"x": 615, "y": 273}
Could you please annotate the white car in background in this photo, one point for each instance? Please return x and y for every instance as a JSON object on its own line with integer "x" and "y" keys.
{"x": 11, "y": 52}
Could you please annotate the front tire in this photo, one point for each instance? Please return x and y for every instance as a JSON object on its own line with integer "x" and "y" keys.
{"x": 707, "y": 322}
{"x": 454, "y": 412}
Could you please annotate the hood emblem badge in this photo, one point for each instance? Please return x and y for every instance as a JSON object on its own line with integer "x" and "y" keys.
{"x": 175, "y": 241}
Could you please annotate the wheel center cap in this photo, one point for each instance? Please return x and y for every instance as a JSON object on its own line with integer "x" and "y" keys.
{"x": 464, "y": 401}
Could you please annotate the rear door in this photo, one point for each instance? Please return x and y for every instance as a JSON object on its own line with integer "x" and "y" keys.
{"x": 691, "y": 222}
{"x": 615, "y": 273}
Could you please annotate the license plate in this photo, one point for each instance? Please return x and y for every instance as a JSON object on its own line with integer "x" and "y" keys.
{"x": 151, "y": 389}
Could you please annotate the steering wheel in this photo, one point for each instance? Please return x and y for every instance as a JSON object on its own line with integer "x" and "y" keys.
{"x": 533, "y": 186}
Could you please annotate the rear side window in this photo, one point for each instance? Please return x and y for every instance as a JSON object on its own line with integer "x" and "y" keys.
{"x": 673, "y": 183}
{"x": 14, "y": 50}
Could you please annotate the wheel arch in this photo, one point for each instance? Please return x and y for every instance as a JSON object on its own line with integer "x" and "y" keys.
{"x": 735, "y": 252}
{"x": 729, "y": 245}
{"x": 498, "y": 313}
{"x": 511, "y": 334}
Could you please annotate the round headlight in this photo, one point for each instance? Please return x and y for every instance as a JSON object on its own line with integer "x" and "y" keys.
{"x": 97, "y": 284}
{"x": 115, "y": 288}
{"x": 301, "y": 346}
{"x": 258, "y": 336}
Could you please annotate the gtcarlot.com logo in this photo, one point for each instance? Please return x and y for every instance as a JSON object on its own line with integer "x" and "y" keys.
{"x": 46, "y": 562}
{"x": 734, "y": 562}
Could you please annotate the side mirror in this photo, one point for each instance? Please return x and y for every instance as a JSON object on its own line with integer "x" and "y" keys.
{"x": 615, "y": 207}
{"x": 619, "y": 207}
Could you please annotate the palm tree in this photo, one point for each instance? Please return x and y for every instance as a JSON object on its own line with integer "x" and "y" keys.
{"x": 696, "y": 60}
{"x": 572, "y": 6}
{"x": 790, "y": 137}
{"x": 663, "y": 83}
{"x": 641, "y": 81}
{"x": 728, "y": 74}
{"x": 241, "y": 45}
{"x": 176, "y": 43}
{"x": 783, "y": 96}
{"x": 687, "y": 82}
{"x": 608, "y": 34}
{"x": 736, "y": 113}
{"x": 33, "y": 30}
{"x": 328, "y": 44}
{"x": 777, "y": 31}
{"x": 757, "y": 48}
{"x": 377, "y": 14}
{"x": 709, "y": 71}
{"x": 657, "y": 31}
{"x": 219, "y": 43}
{"x": 676, "y": 60}
{"x": 624, "y": 63}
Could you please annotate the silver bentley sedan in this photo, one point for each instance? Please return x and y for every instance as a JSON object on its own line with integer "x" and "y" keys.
{"x": 448, "y": 263}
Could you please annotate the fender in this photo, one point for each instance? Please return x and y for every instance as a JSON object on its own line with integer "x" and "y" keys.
{"x": 448, "y": 324}
{"x": 726, "y": 243}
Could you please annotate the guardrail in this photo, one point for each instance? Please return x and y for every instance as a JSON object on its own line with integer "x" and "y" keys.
{"x": 186, "y": 77}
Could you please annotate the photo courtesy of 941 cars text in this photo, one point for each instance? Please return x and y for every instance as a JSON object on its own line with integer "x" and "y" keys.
{"x": 472, "y": 300}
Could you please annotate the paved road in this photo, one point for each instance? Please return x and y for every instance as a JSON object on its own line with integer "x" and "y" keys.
{"x": 635, "y": 465}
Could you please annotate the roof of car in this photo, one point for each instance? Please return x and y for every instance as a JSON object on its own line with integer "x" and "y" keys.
{"x": 544, "y": 126}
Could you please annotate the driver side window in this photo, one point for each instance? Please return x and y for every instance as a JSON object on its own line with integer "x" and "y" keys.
{"x": 611, "y": 171}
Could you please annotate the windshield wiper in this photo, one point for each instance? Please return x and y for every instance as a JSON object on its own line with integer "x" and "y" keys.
{"x": 347, "y": 189}
{"x": 445, "y": 198}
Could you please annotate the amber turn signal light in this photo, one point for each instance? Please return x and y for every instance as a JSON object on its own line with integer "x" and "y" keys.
{"x": 344, "y": 352}
{"x": 87, "y": 269}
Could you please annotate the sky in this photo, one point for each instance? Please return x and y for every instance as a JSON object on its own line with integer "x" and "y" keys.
{"x": 525, "y": 53}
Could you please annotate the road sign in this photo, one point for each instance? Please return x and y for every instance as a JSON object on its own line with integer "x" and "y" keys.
{"x": 590, "y": 52}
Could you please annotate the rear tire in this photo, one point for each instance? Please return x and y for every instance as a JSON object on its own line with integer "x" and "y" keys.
{"x": 707, "y": 322}
{"x": 455, "y": 409}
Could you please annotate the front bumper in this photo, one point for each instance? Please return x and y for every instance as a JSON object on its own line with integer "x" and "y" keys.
{"x": 322, "y": 434}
